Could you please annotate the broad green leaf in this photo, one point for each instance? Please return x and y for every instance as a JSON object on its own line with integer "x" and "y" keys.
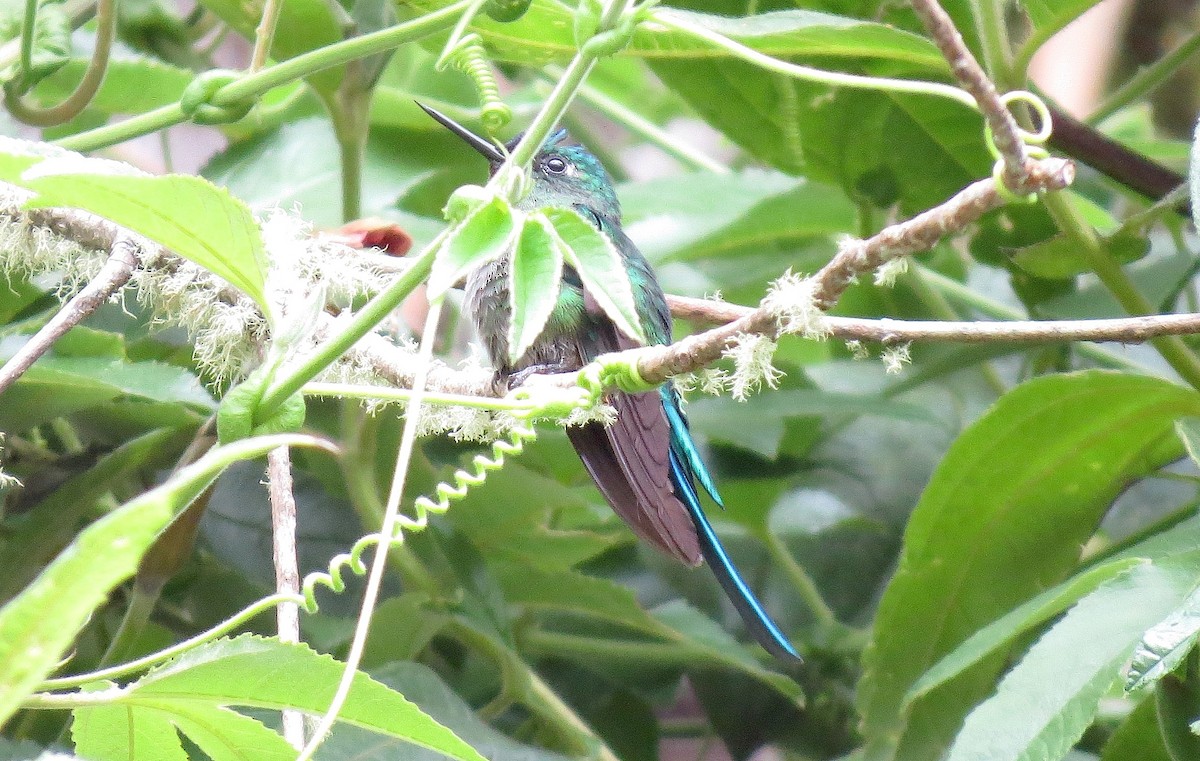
{"x": 58, "y": 385}
{"x": 38, "y": 626}
{"x": 1177, "y": 701}
{"x": 1004, "y": 515}
{"x": 423, "y": 686}
{"x": 486, "y": 234}
{"x": 266, "y": 673}
{"x": 601, "y": 268}
{"x": 536, "y": 277}
{"x": 1043, "y": 705}
{"x": 298, "y": 163}
{"x": 1021, "y": 619}
{"x": 186, "y": 214}
{"x": 700, "y": 215}
{"x": 32, "y": 540}
{"x": 573, "y": 592}
{"x": 789, "y": 34}
{"x": 1055, "y": 14}
{"x": 1058, "y": 257}
{"x": 118, "y": 733}
{"x": 1138, "y": 737}
{"x": 701, "y": 631}
{"x": 1164, "y": 645}
{"x": 545, "y": 33}
{"x": 225, "y": 735}
{"x": 130, "y": 86}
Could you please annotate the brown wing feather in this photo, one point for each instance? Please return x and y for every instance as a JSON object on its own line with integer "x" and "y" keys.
{"x": 627, "y": 460}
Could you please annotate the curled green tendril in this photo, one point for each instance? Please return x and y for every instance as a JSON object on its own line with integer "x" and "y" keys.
{"x": 545, "y": 402}
{"x": 196, "y": 100}
{"x": 614, "y": 370}
{"x": 467, "y": 55}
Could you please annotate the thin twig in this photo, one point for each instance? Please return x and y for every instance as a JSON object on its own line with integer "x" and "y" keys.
{"x": 126, "y": 255}
{"x": 1006, "y": 135}
{"x": 855, "y": 258}
{"x": 1126, "y": 330}
{"x": 287, "y": 567}
{"x": 264, "y": 35}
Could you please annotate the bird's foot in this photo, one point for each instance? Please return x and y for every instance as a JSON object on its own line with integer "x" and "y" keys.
{"x": 521, "y": 376}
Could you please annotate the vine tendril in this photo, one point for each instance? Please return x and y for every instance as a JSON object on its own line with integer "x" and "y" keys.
{"x": 468, "y": 56}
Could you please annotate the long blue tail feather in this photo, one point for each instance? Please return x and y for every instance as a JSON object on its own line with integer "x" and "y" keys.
{"x": 761, "y": 627}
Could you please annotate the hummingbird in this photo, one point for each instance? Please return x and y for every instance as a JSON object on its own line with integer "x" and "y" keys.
{"x": 645, "y": 463}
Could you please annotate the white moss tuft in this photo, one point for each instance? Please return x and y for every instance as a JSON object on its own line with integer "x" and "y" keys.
{"x": 893, "y": 268}
{"x": 895, "y": 358}
{"x": 791, "y": 300}
{"x": 751, "y": 355}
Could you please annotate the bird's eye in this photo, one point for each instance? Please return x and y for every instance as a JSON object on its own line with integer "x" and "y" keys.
{"x": 555, "y": 165}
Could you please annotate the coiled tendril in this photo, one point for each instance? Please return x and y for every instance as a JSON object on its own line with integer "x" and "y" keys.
{"x": 551, "y": 402}
{"x": 467, "y": 55}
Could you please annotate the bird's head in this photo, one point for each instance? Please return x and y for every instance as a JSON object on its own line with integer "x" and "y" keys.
{"x": 564, "y": 172}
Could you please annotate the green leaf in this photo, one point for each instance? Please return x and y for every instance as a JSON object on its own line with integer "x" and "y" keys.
{"x": 1138, "y": 737}
{"x": 1028, "y": 517}
{"x": 703, "y": 214}
{"x": 486, "y": 234}
{"x": 573, "y": 592}
{"x": 32, "y": 540}
{"x": 1046, "y": 701}
{"x": 38, "y": 626}
{"x": 423, "y": 686}
{"x": 1055, "y": 14}
{"x": 51, "y": 38}
{"x": 1004, "y": 630}
{"x": 60, "y": 385}
{"x": 188, "y": 215}
{"x": 789, "y": 34}
{"x": 226, "y": 735}
{"x": 601, "y": 268}
{"x": 1058, "y": 257}
{"x": 1164, "y": 645}
{"x": 757, "y": 424}
{"x": 118, "y": 733}
{"x": 536, "y": 277}
{"x": 545, "y": 33}
{"x": 130, "y": 86}
{"x": 266, "y": 673}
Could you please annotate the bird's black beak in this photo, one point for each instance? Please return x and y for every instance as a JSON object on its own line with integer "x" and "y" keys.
{"x": 489, "y": 151}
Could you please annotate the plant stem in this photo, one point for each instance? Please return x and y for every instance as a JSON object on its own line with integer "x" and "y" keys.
{"x": 801, "y": 581}
{"x": 1147, "y": 79}
{"x": 1172, "y": 348}
{"x": 834, "y": 78}
{"x": 991, "y": 27}
{"x": 523, "y": 684}
{"x": 253, "y": 85}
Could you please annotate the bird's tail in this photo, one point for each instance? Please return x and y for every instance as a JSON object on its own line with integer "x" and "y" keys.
{"x": 686, "y": 469}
